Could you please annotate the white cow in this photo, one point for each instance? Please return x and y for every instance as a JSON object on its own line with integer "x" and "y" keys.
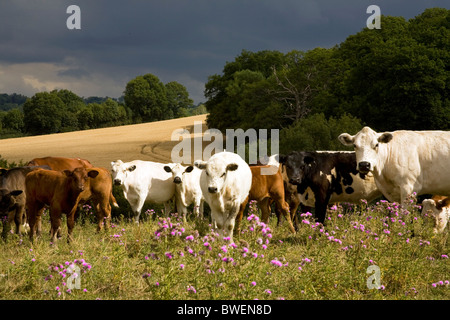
{"x": 403, "y": 162}
{"x": 187, "y": 188}
{"x": 225, "y": 181}
{"x": 439, "y": 207}
{"x": 144, "y": 181}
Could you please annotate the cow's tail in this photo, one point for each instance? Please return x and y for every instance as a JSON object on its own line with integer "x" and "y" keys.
{"x": 113, "y": 200}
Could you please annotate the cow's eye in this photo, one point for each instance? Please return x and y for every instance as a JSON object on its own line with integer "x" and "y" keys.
{"x": 207, "y": 173}
{"x": 223, "y": 175}
{"x": 376, "y": 146}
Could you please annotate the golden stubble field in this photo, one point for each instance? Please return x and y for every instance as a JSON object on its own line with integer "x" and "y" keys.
{"x": 147, "y": 141}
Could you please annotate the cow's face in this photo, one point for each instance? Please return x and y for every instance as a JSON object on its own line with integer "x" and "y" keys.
{"x": 79, "y": 177}
{"x": 8, "y": 200}
{"x": 178, "y": 172}
{"x": 440, "y": 210}
{"x": 366, "y": 143}
{"x": 216, "y": 173}
{"x": 120, "y": 171}
{"x": 297, "y": 165}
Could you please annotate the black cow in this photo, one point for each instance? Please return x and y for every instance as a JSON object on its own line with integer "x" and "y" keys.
{"x": 8, "y": 206}
{"x": 331, "y": 176}
{"x": 14, "y": 179}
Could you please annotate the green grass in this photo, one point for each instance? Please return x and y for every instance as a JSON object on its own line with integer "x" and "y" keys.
{"x": 164, "y": 258}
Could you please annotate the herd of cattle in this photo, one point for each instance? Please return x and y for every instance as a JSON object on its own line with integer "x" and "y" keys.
{"x": 394, "y": 165}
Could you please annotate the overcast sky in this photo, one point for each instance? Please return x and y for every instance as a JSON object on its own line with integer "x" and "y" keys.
{"x": 176, "y": 40}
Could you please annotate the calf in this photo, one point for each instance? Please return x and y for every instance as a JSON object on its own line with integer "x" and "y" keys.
{"x": 332, "y": 177}
{"x": 439, "y": 206}
{"x": 14, "y": 179}
{"x": 59, "y": 190}
{"x": 8, "y": 208}
{"x": 143, "y": 181}
{"x": 266, "y": 188}
{"x": 99, "y": 191}
{"x": 225, "y": 181}
{"x": 187, "y": 188}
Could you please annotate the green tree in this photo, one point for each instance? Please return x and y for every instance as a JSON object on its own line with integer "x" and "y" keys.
{"x": 43, "y": 113}
{"x": 13, "y": 120}
{"x": 146, "y": 97}
{"x": 178, "y": 99}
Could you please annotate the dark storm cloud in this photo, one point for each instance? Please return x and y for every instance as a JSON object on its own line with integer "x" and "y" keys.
{"x": 174, "y": 39}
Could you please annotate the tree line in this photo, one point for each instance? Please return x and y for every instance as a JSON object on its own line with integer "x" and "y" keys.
{"x": 145, "y": 99}
{"x": 392, "y": 78}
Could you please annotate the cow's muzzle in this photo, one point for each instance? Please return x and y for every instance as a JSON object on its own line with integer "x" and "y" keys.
{"x": 117, "y": 182}
{"x": 212, "y": 189}
{"x": 294, "y": 181}
{"x": 177, "y": 180}
{"x": 364, "y": 167}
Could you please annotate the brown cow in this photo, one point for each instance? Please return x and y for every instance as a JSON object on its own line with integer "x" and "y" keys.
{"x": 60, "y": 163}
{"x": 99, "y": 190}
{"x": 8, "y": 208}
{"x": 266, "y": 188}
{"x": 60, "y": 191}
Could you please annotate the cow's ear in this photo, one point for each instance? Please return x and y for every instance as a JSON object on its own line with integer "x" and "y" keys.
{"x": 16, "y": 192}
{"x": 282, "y": 158}
{"x": 93, "y": 173}
{"x": 385, "y": 137}
{"x": 189, "y": 169}
{"x": 346, "y": 139}
{"x": 3, "y": 171}
{"x": 200, "y": 164}
{"x": 442, "y": 203}
{"x": 232, "y": 167}
{"x": 131, "y": 168}
{"x": 167, "y": 169}
{"x": 308, "y": 160}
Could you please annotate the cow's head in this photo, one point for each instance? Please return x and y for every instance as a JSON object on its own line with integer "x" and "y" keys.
{"x": 440, "y": 210}
{"x": 8, "y": 200}
{"x": 178, "y": 171}
{"x": 297, "y": 165}
{"x": 79, "y": 176}
{"x": 215, "y": 171}
{"x": 120, "y": 171}
{"x": 366, "y": 143}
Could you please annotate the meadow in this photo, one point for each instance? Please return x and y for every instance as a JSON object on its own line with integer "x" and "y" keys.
{"x": 164, "y": 258}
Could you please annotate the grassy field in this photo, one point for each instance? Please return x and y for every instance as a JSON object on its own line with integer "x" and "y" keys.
{"x": 164, "y": 258}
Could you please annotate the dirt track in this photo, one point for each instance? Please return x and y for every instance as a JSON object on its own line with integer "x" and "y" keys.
{"x": 147, "y": 141}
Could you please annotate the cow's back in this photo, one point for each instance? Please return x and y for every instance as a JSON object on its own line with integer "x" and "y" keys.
{"x": 60, "y": 163}
{"x": 418, "y": 157}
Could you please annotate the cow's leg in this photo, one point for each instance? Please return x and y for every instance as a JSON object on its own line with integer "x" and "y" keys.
{"x": 34, "y": 212}
{"x": 55, "y": 214}
{"x": 230, "y": 221}
{"x": 181, "y": 208}
{"x": 240, "y": 214}
{"x": 168, "y": 207}
{"x": 7, "y": 225}
{"x": 136, "y": 205}
{"x": 284, "y": 208}
{"x": 264, "y": 206}
{"x": 200, "y": 208}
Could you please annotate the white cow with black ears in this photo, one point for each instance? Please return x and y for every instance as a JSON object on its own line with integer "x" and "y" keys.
{"x": 187, "y": 188}
{"x": 225, "y": 181}
{"x": 403, "y": 161}
{"x": 144, "y": 181}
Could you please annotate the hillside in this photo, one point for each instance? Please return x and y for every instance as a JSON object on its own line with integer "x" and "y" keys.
{"x": 146, "y": 141}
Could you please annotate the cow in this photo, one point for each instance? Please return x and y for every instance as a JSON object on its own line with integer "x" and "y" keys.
{"x": 266, "y": 188}
{"x": 8, "y": 208}
{"x": 57, "y": 189}
{"x": 187, "y": 188}
{"x": 331, "y": 176}
{"x": 225, "y": 181}
{"x": 439, "y": 207}
{"x": 99, "y": 191}
{"x": 60, "y": 163}
{"x": 14, "y": 179}
{"x": 144, "y": 181}
{"x": 403, "y": 162}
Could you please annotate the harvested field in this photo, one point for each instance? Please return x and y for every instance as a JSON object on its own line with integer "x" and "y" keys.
{"x": 146, "y": 141}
